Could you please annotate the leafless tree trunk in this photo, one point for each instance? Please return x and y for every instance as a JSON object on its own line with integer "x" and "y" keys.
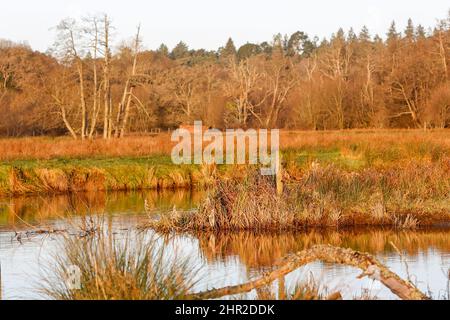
{"x": 6, "y": 76}
{"x": 243, "y": 83}
{"x": 58, "y": 98}
{"x": 125, "y": 104}
{"x": 410, "y": 103}
{"x": 67, "y": 44}
{"x": 310, "y": 69}
{"x": 82, "y": 98}
{"x": 107, "y": 120}
{"x": 280, "y": 83}
{"x": 336, "y": 63}
{"x": 367, "y": 94}
{"x": 96, "y": 88}
{"x": 442, "y": 53}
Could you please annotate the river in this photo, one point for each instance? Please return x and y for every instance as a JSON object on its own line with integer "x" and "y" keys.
{"x": 221, "y": 259}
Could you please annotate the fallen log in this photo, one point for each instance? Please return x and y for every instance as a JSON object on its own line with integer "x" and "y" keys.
{"x": 370, "y": 266}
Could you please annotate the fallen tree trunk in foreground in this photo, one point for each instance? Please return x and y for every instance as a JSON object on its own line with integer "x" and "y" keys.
{"x": 371, "y": 267}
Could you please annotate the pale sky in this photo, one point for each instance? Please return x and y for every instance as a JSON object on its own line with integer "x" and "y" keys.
{"x": 208, "y": 23}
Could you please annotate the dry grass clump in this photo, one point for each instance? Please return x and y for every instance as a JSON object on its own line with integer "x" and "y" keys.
{"x": 54, "y": 180}
{"x": 310, "y": 289}
{"x": 405, "y": 195}
{"x": 235, "y": 204}
{"x": 305, "y": 289}
{"x": 126, "y": 269}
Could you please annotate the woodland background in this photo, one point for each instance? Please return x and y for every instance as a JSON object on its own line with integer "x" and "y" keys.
{"x": 88, "y": 85}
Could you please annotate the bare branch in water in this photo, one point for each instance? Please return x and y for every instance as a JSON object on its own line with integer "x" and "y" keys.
{"x": 371, "y": 267}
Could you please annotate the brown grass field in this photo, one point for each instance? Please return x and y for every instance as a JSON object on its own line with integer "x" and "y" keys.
{"x": 44, "y": 148}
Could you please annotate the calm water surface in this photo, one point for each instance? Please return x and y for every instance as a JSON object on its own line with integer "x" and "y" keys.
{"x": 220, "y": 259}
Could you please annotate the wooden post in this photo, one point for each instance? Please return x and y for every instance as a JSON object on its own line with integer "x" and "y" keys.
{"x": 279, "y": 175}
{"x": 281, "y": 288}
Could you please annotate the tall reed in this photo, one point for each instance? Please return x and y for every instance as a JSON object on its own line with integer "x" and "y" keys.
{"x": 133, "y": 268}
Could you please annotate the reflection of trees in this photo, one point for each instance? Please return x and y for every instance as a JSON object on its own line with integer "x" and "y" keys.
{"x": 259, "y": 251}
{"x": 39, "y": 209}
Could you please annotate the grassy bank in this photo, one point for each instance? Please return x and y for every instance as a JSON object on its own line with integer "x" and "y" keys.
{"x": 98, "y": 174}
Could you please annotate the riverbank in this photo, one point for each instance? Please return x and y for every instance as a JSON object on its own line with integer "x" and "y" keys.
{"x": 391, "y": 177}
{"x": 58, "y": 176}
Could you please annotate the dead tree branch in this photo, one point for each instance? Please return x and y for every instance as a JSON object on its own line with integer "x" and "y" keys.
{"x": 371, "y": 267}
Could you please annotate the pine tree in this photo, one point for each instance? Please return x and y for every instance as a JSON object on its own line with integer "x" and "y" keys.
{"x": 420, "y": 32}
{"x": 409, "y": 31}
{"x": 338, "y": 38}
{"x": 229, "y": 50}
{"x": 364, "y": 35}
{"x": 340, "y": 35}
{"x": 163, "y": 50}
{"x": 278, "y": 46}
{"x": 392, "y": 34}
{"x": 377, "y": 39}
{"x": 181, "y": 50}
{"x": 351, "y": 36}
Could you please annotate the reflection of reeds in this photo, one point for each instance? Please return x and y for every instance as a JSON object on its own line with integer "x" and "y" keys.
{"x": 448, "y": 284}
{"x": 38, "y": 210}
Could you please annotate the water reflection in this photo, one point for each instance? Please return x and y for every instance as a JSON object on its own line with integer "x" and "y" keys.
{"x": 423, "y": 256}
{"x": 225, "y": 259}
{"x": 264, "y": 250}
{"x": 20, "y": 211}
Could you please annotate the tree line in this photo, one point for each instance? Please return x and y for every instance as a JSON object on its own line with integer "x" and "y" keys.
{"x": 88, "y": 86}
